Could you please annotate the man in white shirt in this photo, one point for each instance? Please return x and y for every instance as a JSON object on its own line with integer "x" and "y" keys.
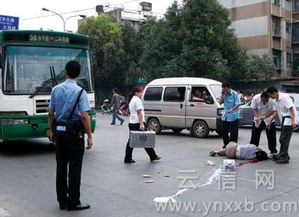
{"x": 289, "y": 121}
{"x": 264, "y": 112}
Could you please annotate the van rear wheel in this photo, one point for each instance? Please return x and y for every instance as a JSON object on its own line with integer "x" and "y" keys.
{"x": 200, "y": 129}
{"x": 153, "y": 124}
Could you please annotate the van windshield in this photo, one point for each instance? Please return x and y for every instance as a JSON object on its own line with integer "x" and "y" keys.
{"x": 216, "y": 89}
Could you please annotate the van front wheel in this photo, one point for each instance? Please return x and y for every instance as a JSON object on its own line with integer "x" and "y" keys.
{"x": 153, "y": 124}
{"x": 200, "y": 129}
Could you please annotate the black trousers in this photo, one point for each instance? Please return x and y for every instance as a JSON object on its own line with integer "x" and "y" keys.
{"x": 284, "y": 139}
{"x": 129, "y": 151}
{"x": 69, "y": 156}
{"x": 271, "y": 136}
{"x": 230, "y": 131}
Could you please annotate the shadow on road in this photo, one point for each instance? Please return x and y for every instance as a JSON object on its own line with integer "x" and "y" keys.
{"x": 187, "y": 134}
{"x": 26, "y": 147}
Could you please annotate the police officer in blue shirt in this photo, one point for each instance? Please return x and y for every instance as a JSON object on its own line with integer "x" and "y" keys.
{"x": 69, "y": 120}
{"x": 230, "y": 116}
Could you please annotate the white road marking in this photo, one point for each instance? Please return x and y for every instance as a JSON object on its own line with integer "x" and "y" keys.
{"x": 3, "y": 213}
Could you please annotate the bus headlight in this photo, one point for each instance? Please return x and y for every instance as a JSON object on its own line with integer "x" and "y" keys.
{"x": 20, "y": 121}
{"x": 14, "y": 121}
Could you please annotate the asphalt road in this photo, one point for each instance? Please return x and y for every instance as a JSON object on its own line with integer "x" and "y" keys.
{"x": 112, "y": 188}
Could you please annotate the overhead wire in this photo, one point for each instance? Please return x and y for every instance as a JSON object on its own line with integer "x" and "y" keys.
{"x": 88, "y": 9}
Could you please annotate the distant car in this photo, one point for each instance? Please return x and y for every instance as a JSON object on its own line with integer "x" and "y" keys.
{"x": 246, "y": 114}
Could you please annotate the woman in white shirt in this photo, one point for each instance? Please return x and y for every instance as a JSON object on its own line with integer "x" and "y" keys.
{"x": 137, "y": 123}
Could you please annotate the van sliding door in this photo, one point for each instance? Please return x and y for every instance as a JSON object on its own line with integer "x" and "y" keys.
{"x": 174, "y": 107}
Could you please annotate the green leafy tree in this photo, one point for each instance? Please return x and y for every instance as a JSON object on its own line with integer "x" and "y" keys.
{"x": 106, "y": 49}
{"x": 260, "y": 68}
{"x": 131, "y": 50}
{"x": 193, "y": 40}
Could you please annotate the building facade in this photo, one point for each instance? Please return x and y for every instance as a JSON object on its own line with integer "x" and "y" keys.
{"x": 268, "y": 27}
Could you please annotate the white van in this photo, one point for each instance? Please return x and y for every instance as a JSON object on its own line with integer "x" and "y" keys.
{"x": 183, "y": 103}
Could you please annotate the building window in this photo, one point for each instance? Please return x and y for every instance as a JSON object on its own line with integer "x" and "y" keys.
{"x": 296, "y": 5}
{"x": 296, "y": 63}
{"x": 289, "y": 59}
{"x": 295, "y": 32}
{"x": 276, "y": 26}
{"x": 288, "y": 26}
{"x": 276, "y": 2}
{"x": 277, "y": 58}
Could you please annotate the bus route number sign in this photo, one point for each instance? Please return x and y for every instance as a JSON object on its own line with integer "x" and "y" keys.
{"x": 49, "y": 38}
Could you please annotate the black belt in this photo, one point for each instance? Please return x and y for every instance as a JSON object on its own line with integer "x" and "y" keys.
{"x": 61, "y": 123}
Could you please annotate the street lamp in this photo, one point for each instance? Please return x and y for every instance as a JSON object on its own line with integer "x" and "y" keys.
{"x": 64, "y": 20}
{"x": 79, "y": 15}
{"x": 45, "y": 9}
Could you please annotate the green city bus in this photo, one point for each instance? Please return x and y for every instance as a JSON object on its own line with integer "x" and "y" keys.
{"x": 31, "y": 64}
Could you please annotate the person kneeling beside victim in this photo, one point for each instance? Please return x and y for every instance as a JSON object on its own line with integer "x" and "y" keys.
{"x": 242, "y": 152}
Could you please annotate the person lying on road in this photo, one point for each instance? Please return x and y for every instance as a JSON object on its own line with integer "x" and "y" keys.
{"x": 242, "y": 152}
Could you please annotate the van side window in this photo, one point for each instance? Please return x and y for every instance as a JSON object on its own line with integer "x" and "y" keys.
{"x": 153, "y": 94}
{"x": 174, "y": 94}
{"x": 201, "y": 94}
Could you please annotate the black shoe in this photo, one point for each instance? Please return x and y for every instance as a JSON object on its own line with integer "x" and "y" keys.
{"x": 62, "y": 205}
{"x": 129, "y": 161}
{"x": 156, "y": 159}
{"x": 112, "y": 123}
{"x": 282, "y": 161}
{"x": 121, "y": 122}
{"x": 80, "y": 206}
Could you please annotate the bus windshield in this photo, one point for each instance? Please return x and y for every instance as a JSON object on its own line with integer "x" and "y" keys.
{"x": 29, "y": 70}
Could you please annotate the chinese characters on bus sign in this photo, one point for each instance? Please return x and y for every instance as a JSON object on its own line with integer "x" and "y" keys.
{"x": 9, "y": 22}
{"x": 49, "y": 38}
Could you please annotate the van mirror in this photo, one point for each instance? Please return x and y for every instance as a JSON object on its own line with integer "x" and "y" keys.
{"x": 209, "y": 100}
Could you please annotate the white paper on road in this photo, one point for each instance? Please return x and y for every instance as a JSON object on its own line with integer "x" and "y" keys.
{"x": 211, "y": 179}
{"x": 166, "y": 199}
{"x": 3, "y": 213}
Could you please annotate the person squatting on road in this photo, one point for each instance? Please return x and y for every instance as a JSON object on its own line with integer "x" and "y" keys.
{"x": 264, "y": 113}
{"x": 116, "y": 102}
{"x": 137, "y": 123}
{"x": 69, "y": 120}
{"x": 289, "y": 121}
{"x": 242, "y": 152}
{"x": 230, "y": 117}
